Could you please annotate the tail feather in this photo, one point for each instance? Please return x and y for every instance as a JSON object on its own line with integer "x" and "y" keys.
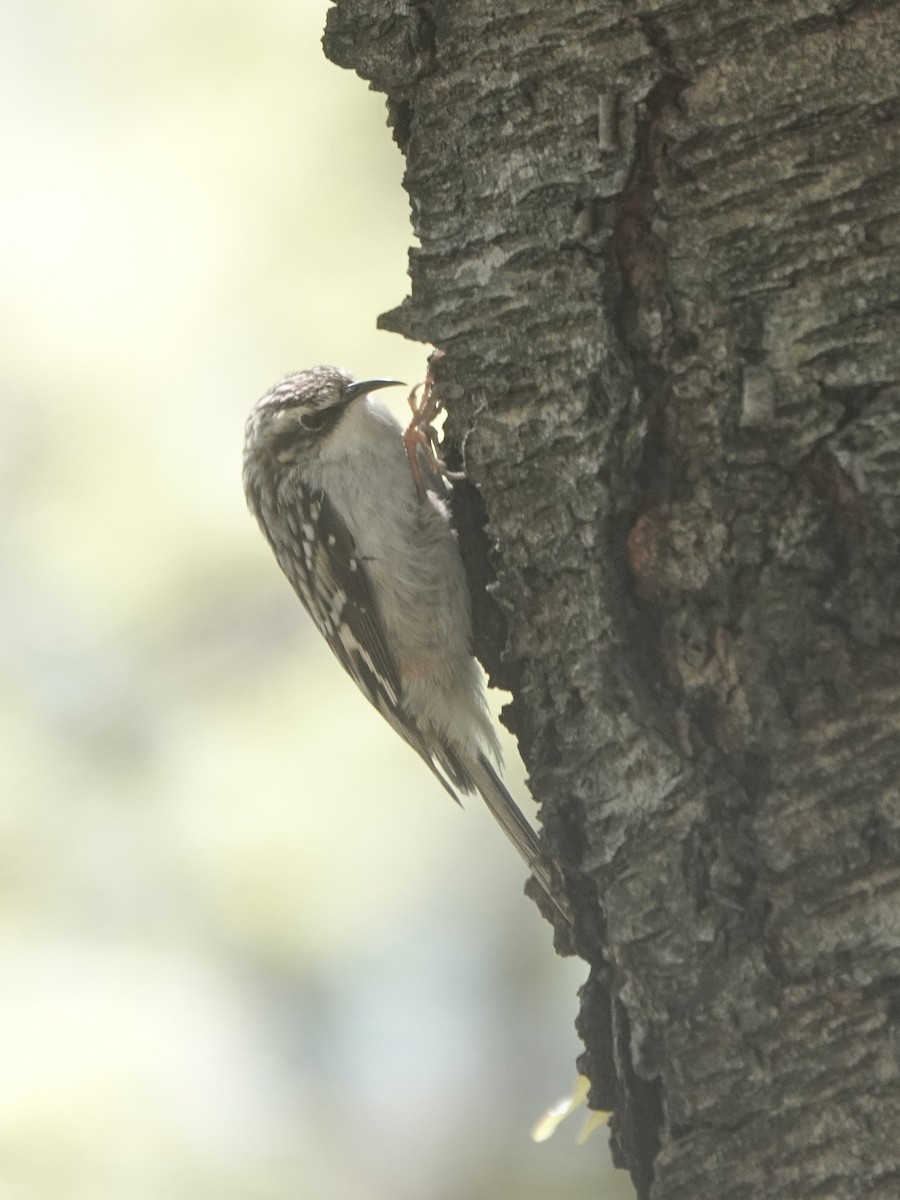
{"x": 514, "y": 824}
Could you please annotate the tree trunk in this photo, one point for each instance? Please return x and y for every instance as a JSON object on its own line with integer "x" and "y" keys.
{"x": 660, "y": 245}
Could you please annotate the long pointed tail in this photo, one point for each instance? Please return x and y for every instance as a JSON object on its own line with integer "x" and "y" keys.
{"x": 510, "y": 817}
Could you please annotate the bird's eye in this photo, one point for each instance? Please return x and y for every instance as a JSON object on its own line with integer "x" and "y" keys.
{"x": 315, "y": 422}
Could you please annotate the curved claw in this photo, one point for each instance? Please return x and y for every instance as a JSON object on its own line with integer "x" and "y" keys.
{"x": 421, "y": 438}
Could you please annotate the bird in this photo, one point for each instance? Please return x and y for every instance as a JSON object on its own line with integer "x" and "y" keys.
{"x": 373, "y": 557}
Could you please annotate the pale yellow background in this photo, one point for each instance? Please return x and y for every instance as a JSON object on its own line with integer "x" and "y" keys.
{"x": 248, "y": 949}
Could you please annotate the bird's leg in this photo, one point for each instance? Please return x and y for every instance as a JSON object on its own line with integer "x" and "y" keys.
{"x": 421, "y": 437}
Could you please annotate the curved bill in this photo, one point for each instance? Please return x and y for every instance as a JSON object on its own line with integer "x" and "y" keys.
{"x": 363, "y": 386}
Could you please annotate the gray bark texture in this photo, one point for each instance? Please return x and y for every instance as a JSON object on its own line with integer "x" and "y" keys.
{"x": 660, "y": 245}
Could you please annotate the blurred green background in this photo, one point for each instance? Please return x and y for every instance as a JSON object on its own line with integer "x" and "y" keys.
{"x": 248, "y": 948}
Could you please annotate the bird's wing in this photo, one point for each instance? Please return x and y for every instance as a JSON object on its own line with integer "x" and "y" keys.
{"x": 332, "y": 579}
{"x": 335, "y": 587}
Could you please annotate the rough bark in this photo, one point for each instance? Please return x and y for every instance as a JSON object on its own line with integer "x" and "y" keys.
{"x": 660, "y": 245}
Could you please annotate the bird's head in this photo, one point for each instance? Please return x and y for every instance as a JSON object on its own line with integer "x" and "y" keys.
{"x": 300, "y": 410}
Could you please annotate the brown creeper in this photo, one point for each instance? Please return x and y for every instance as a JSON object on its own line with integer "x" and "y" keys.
{"x": 378, "y": 568}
